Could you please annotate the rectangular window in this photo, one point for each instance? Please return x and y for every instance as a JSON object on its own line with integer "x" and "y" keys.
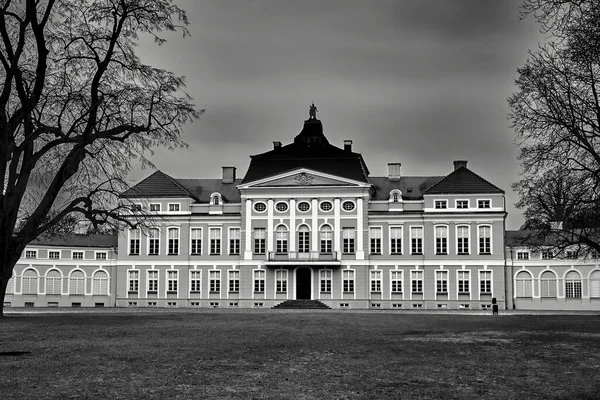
{"x": 153, "y": 241}
{"x": 195, "y": 281}
{"x": 234, "y": 281}
{"x": 348, "y": 235}
{"x": 348, "y": 281}
{"x": 259, "y": 281}
{"x": 485, "y": 240}
{"x": 547, "y": 254}
{"x": 174, "y": 207}
{"x": 173, "y": 241}
{"x": 234, "y": 241}
{"x": 303, "y": 240}
{"x": 154, "y": 207}
{"x": 376, "y": 281}
{"x": 134, "y": 242}
{"x": 77, "y": 255}
{"x": 396, "y": 240}
{"x": 441, "y": 204}
{"x": 172, "y": 279}
{"x": 215, "y": 281}
{"x": 571, "y": 254}
{"x": 215, "y": 241}
{"x": 417, "y": 281}
{"x": 375, "y": 235}
{"x": 326, "y": 239}
{"x": 522, "y": 255}
{"x": 462, "y": 204}
{"x": 441, "y": 279}
{"x": 441, "y": 240}
{"x": 54, "y": 255}
{"x": 281, "y": 240}
{"x": 134, "y": 280}
{"x": 281, "y": 280}
{"x": 416, "y": 240}
{"x": 463, "y": 282}
{"x": 196, "y": 241}
{"x": 485, "y": 282}
{"x": 462, "y": 240}
{"x": 260, "y": 240}
{"x": 31, "y": 254}
{"x": 396, "y": 281}
{"x": 101, "y": 255}
{"x": 152, "y": 281}
{"x": 572, "y": 288}
{"x": 483, "y": 203}
{"x": 325, "y": 277}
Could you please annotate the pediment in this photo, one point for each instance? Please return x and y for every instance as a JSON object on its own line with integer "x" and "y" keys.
{"x": 304, "y": 177}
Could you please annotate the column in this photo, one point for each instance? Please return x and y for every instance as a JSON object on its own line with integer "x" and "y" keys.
{"x": 336, "y": 226}
{"x": 248, "y": 231}
{"x": 360, "y": 254}
{"x": 314, "y": 237}
{"x": 270, "y": 225}
{"x": 292, "y": 233}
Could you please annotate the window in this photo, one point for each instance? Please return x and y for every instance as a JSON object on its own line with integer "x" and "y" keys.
{"x": 375, "y": 235}
{"x": 259, "y": 280}
{"x": 260, "y": 207}
{"x": 54, "y": 255}
{"x": 325, "y": 278}
{"x": 29, "y": 282}
{"x": 215, "y": 281}
{"x": 348, "y": 235}
{"x": 326, "y": 206}
{"x": 195, "y": 241}
{"x": 462, "y": 240}
{"x": 100, "y": 283}
{"x": 303, "y": 239}
{"x": 53, "y": 282}
{"x": 463, "y": 282}
{"x": 303, "y": 206}
{"x": 195, "y": 281}
{"x": 174, "y": 207}
{"x": 134, "y": 280}
{"x": 572, "y": 285}
{"x": 77, "y": 255}
{"x": 417, "y": 281}
{"x": 154, "y": 207}
{"x": 173, "y": 241}
{"x": 396, "y": 281}
{"x": 523, "y": 284}
{"x": 441, "y": 281}
{"x": 485, "y": 240}
{"x": 396, "y": 240}
{"x": 234, "y": 241}
{"x": 260, "y": 236}
{"x": 31, "y": 254}
{"x": 136, "y": 207}
{"x": 522, "y": 255}
{"x": 101, "y": 255}
{"x": 172, "y": 279}
{"x": 215, "y": 241}
{"x": 595, "y": 284}
{"x": 281, "y": 240}
{"x": 326, "y": 235}
{"x": 281, "y": 207}
{"x": 395, "y": 197}
{"x": 441, "y": 204}
{"x": 348, "y": 281}
{"x": 548, "y": 284}
{"x": 348, "y": 206}
{"x": 416, "y": 240}
{"x": 376, "y": 281}
{"x": 281, "y": 277}
{"x": 234, "y": 281}
{"x": 547, "y": 254}
{"x": 134, "y": 242}
{"x": 215, "y": 199}
{"x": 461, "y": 204}
{"x": 77, "y": 282}
{"x": 10, "y": 288}
{"x": 152, "y": 281}
{"x": 153, "y": 241}
{"x": 483, "y": 203}
{"x": 571, "y": 254}
{"x": 485, "y": 282}
{"x": 441, "y": 240}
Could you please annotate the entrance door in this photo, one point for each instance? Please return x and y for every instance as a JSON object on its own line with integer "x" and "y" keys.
{"x": 303, "y": 283}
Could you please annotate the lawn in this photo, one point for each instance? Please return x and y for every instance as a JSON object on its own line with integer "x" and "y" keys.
{"x": 214, "y": 354}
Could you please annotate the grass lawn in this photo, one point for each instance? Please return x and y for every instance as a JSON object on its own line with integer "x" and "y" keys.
{"x": 208, "y": 354}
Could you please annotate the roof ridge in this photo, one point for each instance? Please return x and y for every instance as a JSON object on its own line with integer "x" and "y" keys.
{"x": 174, "y": 181}
{"x": 455, "y": 172}
{"x": 413, "y": 176}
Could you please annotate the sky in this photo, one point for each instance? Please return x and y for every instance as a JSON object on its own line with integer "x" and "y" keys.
{"x": 422, "y": 82}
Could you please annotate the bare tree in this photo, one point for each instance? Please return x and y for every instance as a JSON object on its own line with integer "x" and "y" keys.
{"x": 556, "y": 117}
{"x": 77, "y": 108}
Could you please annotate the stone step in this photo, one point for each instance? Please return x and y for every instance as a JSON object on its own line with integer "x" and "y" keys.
{"x": 301, "y": 304}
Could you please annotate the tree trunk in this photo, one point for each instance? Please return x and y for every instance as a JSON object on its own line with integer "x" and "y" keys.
{"x": 3, "y": 285}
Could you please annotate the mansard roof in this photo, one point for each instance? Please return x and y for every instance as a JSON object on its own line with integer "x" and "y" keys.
{"x": 412, "y": 187}
{"x": 158, "y": 185}
{"x": 463, "y": 181}
{"x": 76, "y": 240}
{"x": 201, "y": 189}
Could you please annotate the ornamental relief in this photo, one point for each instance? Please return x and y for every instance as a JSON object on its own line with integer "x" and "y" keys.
{"x": 304, "y": 179}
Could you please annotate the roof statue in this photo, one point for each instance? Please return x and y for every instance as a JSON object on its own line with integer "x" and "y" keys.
{"x": 312, "y": 111}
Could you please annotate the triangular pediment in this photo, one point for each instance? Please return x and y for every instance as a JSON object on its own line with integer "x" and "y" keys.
{"x": 304, "y": 177}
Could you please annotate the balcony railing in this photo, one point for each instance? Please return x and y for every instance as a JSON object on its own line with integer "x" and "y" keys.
{"x": 297, "y": 256}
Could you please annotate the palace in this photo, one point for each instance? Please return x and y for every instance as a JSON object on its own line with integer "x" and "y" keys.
{"x": 306, "y": 222}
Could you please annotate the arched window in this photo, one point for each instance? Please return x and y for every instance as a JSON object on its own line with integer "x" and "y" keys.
{"x": 326, "y": 238}
{"x": 548, "y": 284}
{"x": 53, "y": 282}
{"x": 215, "y": 199}
{"x": 10, "y": 288}
{"x": 595, "y": 284}
{"x": 281, "y": 239}
{"x": 100, "y": 283}
{"x": 573, "y": 285}
{"x": 30, "y": 282}
{"x": 395, "y": 196}
{"x": 77, "y": 282}
{"x": 303, "y": 239}
{"x": 523, "y": 284}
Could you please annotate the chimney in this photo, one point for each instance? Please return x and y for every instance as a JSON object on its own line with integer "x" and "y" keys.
{"x": 348, "y": 146}
{"x": 460, "y": 164}
{"x": 276, "y": 145}
{"x": 228, "y": 174}
{"x": 394, "y": 171}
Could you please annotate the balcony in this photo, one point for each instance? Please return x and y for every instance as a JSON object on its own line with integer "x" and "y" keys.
{"x": 313, "y": 257}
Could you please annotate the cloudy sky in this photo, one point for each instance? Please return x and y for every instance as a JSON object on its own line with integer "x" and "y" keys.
{"x": 417, "y": 82}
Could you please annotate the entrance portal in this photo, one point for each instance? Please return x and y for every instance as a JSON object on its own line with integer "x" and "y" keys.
{"x": 303, "y": 283}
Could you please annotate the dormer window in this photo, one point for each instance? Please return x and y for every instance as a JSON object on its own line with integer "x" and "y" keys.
{"x": 215, "y": 199}
{"x": 395, "y": 196}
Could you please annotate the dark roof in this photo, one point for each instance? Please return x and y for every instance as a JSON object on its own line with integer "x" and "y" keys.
{"x": 201, "y": 189}
{"x": 158, "y": 184}
{"x": 76, "y": 240}
{"x": 418, "y": 184}
{"x": 463, "y": 180}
